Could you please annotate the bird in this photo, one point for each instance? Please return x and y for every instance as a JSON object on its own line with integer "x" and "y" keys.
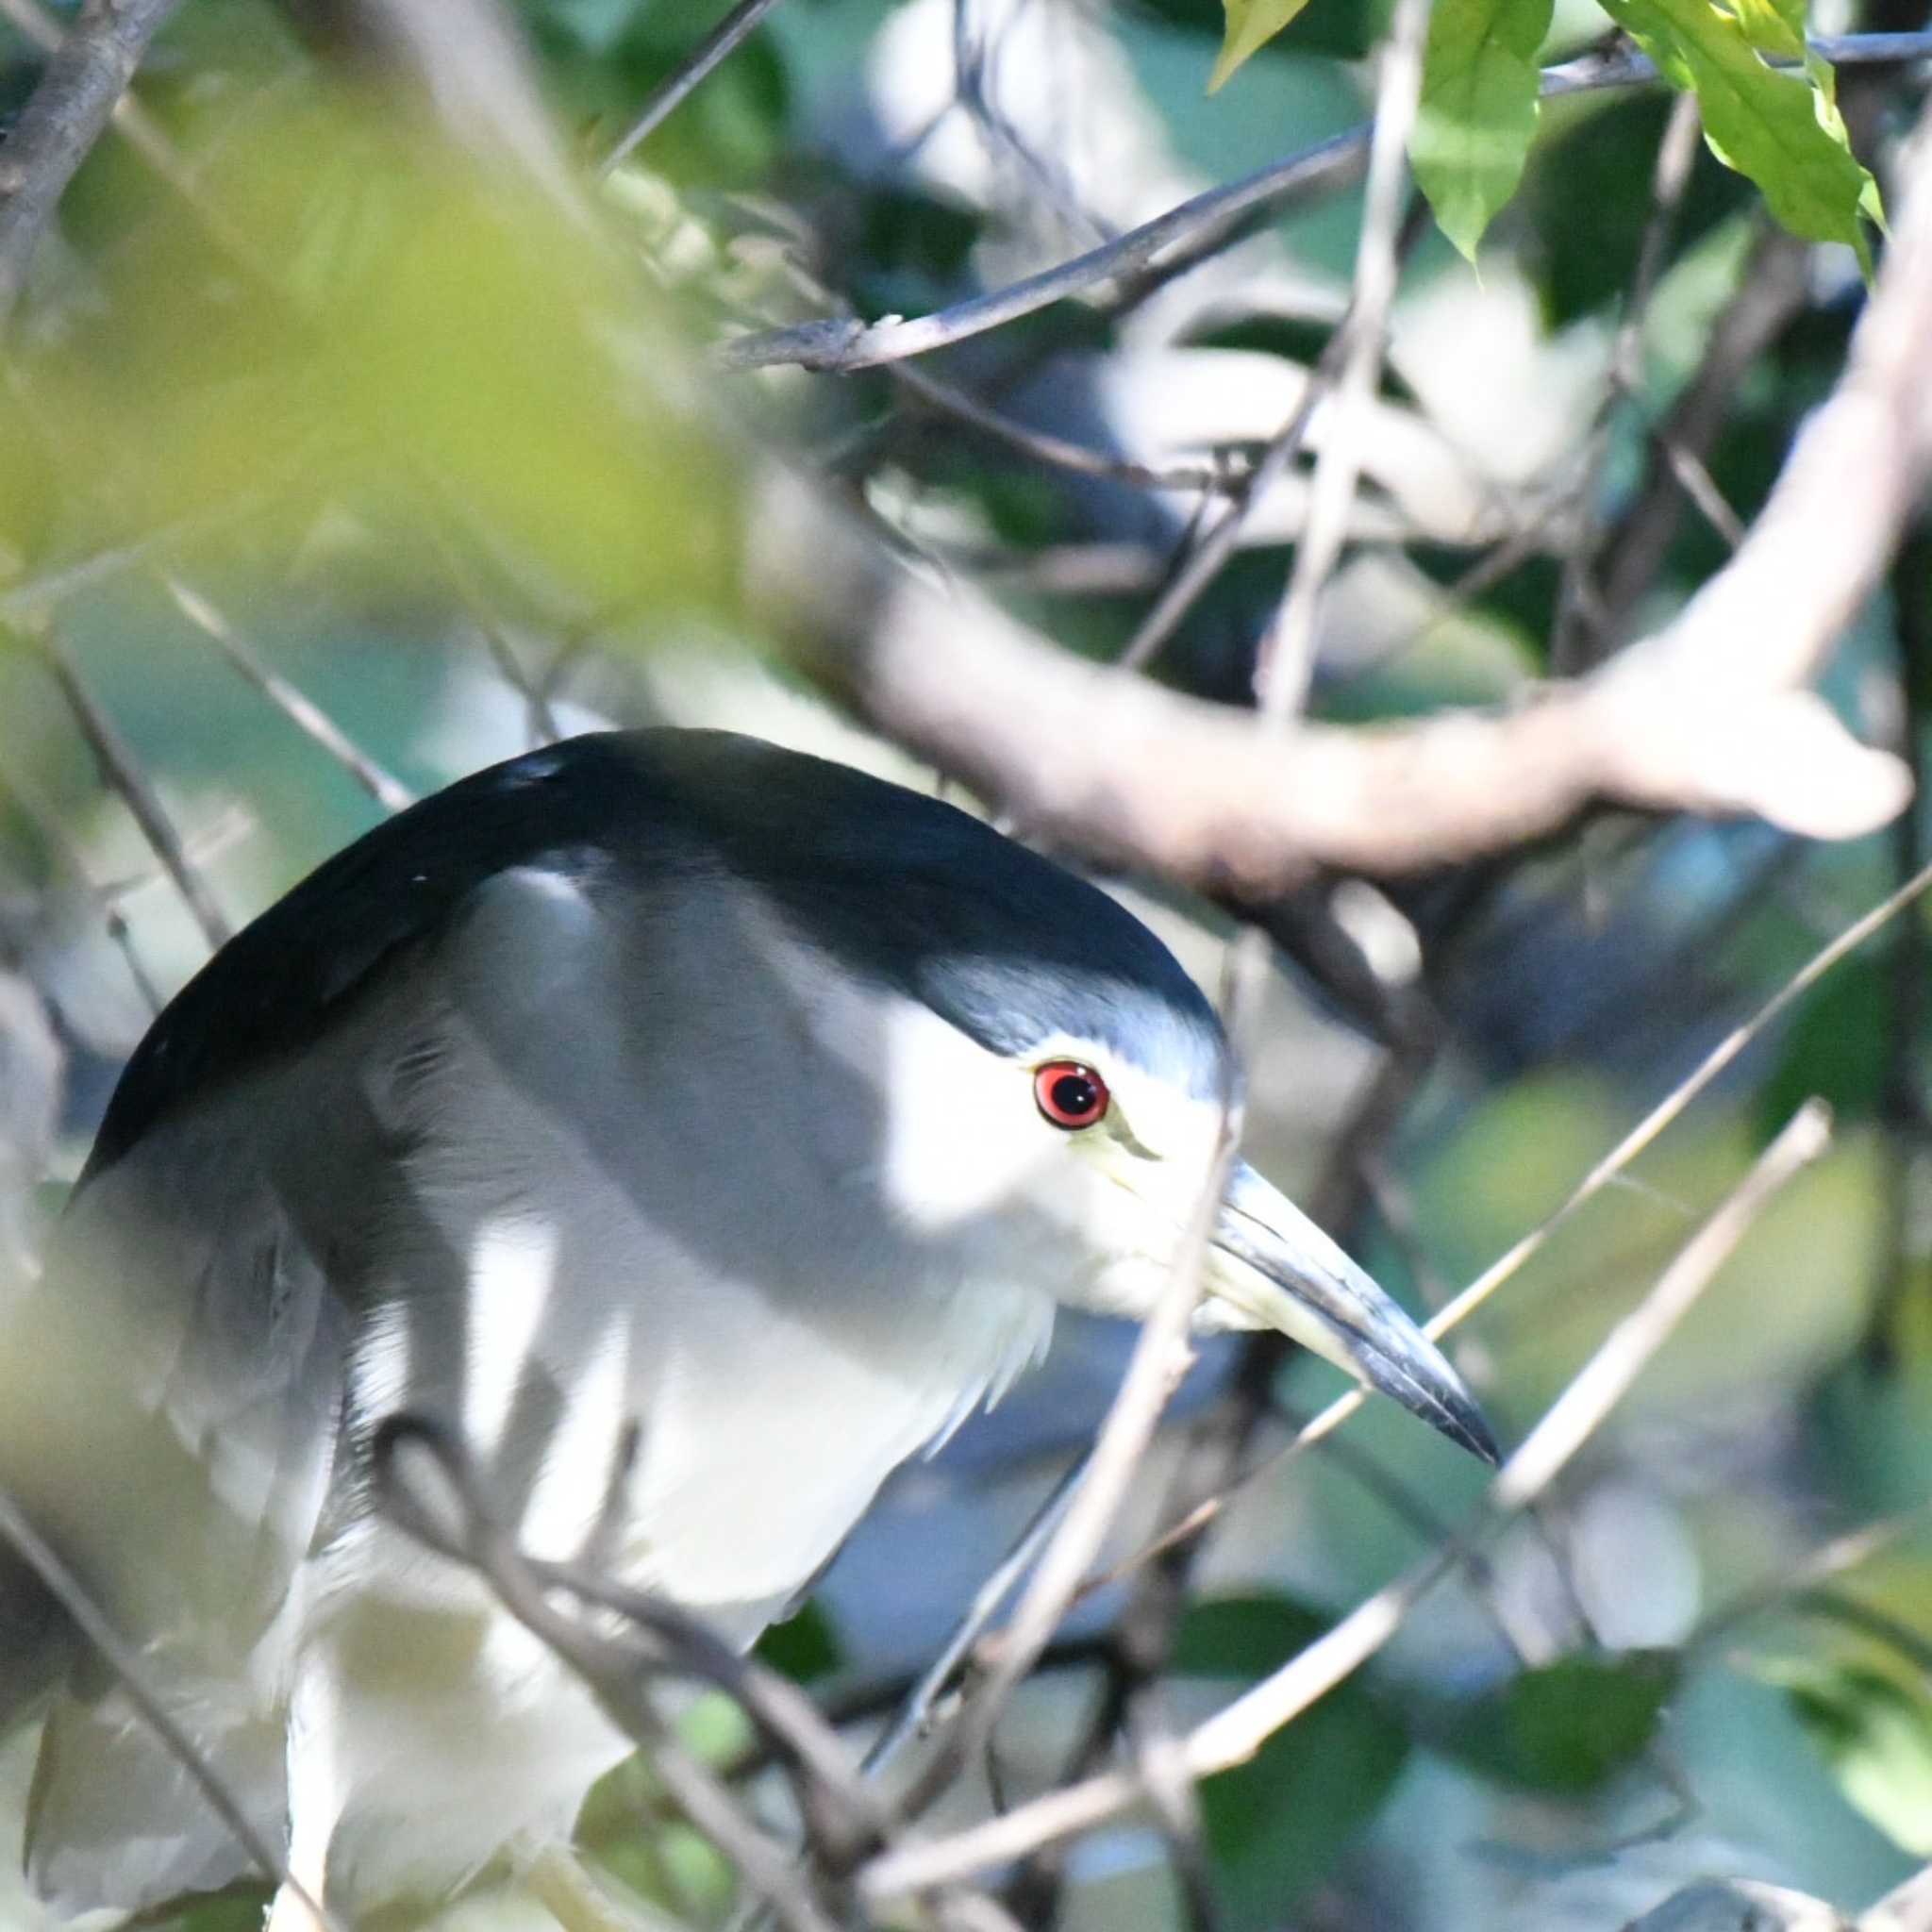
{"x": 697, "y": 1130}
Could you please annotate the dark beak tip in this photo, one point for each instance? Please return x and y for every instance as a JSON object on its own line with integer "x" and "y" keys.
{"x": 1435, "y": 1393}
{"x": 1455, "y": 1415}
{"x": 1473, "y": 1433}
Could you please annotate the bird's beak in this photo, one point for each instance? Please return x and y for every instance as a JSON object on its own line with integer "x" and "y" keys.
{"x": 1270, "y": 1267}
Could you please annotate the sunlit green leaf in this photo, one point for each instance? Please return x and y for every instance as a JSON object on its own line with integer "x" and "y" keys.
{"x": 1251, "y": 25}
{"x": 1478, "y": 110}
{"x": 1779, "y": 128}
{"x": 1773, "y": 26}
{"x": 1875, "y": 1732}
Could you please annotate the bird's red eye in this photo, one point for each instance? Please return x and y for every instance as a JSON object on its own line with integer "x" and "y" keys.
{"x": 1070, "y": 1095}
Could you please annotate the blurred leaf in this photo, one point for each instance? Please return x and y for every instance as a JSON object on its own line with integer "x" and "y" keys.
{"x": 1876, "y": 1429}
{"x": 803, "y": 1647}
{"x": 1241, "y": 1636}
{"x": 236, "y": 1908}
{"x": 1251, "y": 25}
{"x": 1787, "y": 1304}
{"x": 1336, "y": 30}
{"x": 908, "y": 228}
{"x": 1591, "y": 151}
{"x": 608, "y": 57}
{"x": 416, "y": 337}
{"x": 1276, "y": 1825}
{"x": 592, "y": 26}
{"x": 1570, "y": 1725}
{"x": 1875, "y": 1732}
{"x": 1839, "y": 1048}
{"x": 1300, "y": 339}
{"x": 1781, "y": 131}
{"x": 1477, "y": 114}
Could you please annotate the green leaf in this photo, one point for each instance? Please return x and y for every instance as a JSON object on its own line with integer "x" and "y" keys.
{"x": 1478, "y": 113}
{"x": 1570, "y": 1725}
{"x": 1781, "y": 130}
{"x": 1251, "y": 25}
{"x": 1875, "y": 1732}
{"x": 803, "y": 1647}
{"x": 1839, "y": 1048}
{"x": 1276, "y": 1825}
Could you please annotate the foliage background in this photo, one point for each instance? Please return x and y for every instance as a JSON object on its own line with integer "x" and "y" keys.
{"x": 328, "y": 402}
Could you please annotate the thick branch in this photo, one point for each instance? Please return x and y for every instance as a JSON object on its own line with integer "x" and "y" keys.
{"x": 1709, "y": 715}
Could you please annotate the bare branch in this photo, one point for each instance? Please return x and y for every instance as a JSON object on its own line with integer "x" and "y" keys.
{"x": 59, "y": 125}
{"x": 848, "y": 343}
{"x": 301, "y": 710}
{"x": 121, "y": 773}
{"x": 427, "y": 1482}
{"x": 845, "y": 343}
{"x": 122, "y": 1662}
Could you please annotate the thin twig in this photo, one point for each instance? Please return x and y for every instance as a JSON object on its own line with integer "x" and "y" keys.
{"x": 731, "y": 32}
{"x": 1605, "y": 1172}
{"x": 1058, "y": 452}
{"x": 121, "y": 773}
{"x": 1830, "y": 1559}
{"x": 1055, "y": 452}
{"x": 301, "y": 710}
{"x": 64, "y": 117}
{"x": 123, "y": 1660}
{"x": 1611, "y": 1372}
{"x": 1206, "y": 559}
{"x": 988, "y": 1601}
{"x": 51, "y": 826}
{"x": 1234, "y": 1734}
{"x": 1773, "y": 288}
{"x": 455, "y": 1520}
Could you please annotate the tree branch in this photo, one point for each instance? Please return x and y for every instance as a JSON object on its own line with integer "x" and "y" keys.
{"x": 59, "y": 125}
{"x": 844, "y": 343}
{"x": 1709, "y": 715}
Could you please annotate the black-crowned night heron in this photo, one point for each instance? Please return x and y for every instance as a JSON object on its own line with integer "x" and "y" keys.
{"x": 672, "y": 1117}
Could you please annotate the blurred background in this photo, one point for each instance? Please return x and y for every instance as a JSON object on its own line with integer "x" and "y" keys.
{"x": 327, "y": 475}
